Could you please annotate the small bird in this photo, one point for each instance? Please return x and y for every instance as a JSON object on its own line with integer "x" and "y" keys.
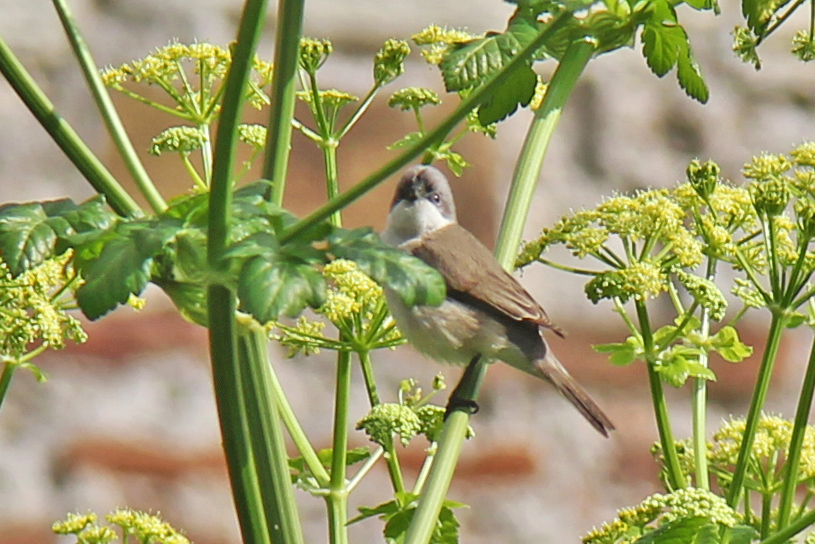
{"x": 487, "y": 312}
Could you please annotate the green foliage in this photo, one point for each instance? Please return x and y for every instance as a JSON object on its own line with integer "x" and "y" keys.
{"x": 398, "y": 513}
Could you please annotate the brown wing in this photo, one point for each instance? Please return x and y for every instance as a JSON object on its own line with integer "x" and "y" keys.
{"x": 478, "y": 278}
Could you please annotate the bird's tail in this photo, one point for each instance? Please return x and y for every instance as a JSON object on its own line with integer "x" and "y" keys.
{"x": 551, "y": 369}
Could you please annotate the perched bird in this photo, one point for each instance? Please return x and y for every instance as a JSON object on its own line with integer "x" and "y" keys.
{"x": 487, "y": 312}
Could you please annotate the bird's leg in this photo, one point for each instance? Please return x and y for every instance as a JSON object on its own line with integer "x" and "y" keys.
{"x": 462, "y": 397}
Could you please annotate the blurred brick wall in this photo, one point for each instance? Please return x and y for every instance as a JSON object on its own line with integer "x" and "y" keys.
{"x": 128, "y": 419}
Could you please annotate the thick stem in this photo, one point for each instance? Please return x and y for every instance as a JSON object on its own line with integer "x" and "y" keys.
{"x": 232, "y": 416}
{"x": 530, "y": 161}
{"x": 268, "y": 444}
{"x": 337, "y": 497}
{"x": 796, "y": 442}
{"x": 281, "y": 111}
{"x": 779, "y": 322}
{"x": 108, "y": 110}
{"x": 64, "y": 135}
{"x": 676, "y": 479}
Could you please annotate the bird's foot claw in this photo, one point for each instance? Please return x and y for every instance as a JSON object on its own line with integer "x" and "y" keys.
{"x": 457, "y": 403}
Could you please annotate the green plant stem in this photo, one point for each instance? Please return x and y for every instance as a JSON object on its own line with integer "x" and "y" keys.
{"x": 266, "y": 435}
{"x": 361, "y": 109}
{"x": 281, "y": 111}
{"x": 332, "y": 177}
{"x": 430, "y": 139}
{"x": 231, "y": 414}
{"x": 64, "y": 135}
{"x": 391, "y": 457}
{"x": 700, "y": 400}
{"x": 269, "y": 511}
{"x": 530, "y": 161}
{"x": 337, "y": 497}
{"x": 296, "y": 432}
{"x": 793, "y": 461}
{"x": 441, "y": 472}
{"x": 107, "y": 109}
{"x": 5, "y": 380}
{"x": 676, "y": 480}
{"x": 784, "y": 535}
{"x": 777, "y": 325}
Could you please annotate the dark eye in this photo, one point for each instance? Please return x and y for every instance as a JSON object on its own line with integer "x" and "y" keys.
{"x": 436, "y": 198}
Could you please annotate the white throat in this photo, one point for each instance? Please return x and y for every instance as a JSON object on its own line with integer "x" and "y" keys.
{"x": 410, "y": 220}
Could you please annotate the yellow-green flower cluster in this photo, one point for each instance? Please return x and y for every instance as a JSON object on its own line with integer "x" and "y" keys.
{"x": 389, "y": 61}
{"x": 73, "y": 523}
{"x": 254, "y": 135}
{"x": 413, "y": 98}
{"x": 744, "y": 45}
{"x": 329, "y": 98}
{"x": 183, "y": 139}
{"x": 656, "y": 510}
{"x": 353, "y": 293}
{"x": 385, "y": 420}
{"x": 355, "y": 304}
{"x": 313, "y": 53}
{"x": 146, "y": 527}
{"x": 706, "y": 293}
{"x": 438, "y": 40}
{"x": 304, "y": 337}
{"x": 164, "y": 65}
{"x": 803, "y": 45}
{"x": 34, "y": 312}
{"x": 638, "y": 281}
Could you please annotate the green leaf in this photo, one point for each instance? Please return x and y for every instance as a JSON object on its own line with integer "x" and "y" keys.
{"x": 406, "y": 141}
{"x": 352, "y": 456}
{"x": 740, "y": 534}
{"x": 622, "y": 354}
{"x": 726, "y": 343}
{"x": 29, "y": 232}
{"x": 415, "y": 281}
{"x": 117, "y": 263}
{"x": 665, "y": 45}
{"x": 518, "y": 88}
{"x": 690, "y": 77}
{"x": 475, "y": 61}
{"x": 683, "y": 531}
{"x": 276, "y": 283}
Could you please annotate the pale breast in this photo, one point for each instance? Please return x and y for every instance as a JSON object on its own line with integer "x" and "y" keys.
{"x": 449, "y": 333}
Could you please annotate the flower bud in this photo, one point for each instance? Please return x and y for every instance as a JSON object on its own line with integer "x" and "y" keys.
{"x": 389, "y": 62}
{"x": 703, "y": 177}
{"x": 770, "y": 197}
{"x": 313, "y": 53}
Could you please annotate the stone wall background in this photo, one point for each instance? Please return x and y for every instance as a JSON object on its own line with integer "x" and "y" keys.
{"x": 128, "y": 419}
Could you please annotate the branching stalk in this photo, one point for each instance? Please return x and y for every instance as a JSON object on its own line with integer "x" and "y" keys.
{"x": 107, "y": 109}
{"x": 777, "y": 325}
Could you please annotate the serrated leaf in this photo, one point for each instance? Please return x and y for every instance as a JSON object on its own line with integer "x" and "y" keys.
{"x": 275, "y": 283}
{"x": 29, "y": 232}
{"x": 415, "y": 281}
{"x": 661, "y": 45}
{"x": 118, "y": 264}
{"x": 469, "y": 65}
{"x": 726, "y": 343}
{"x": 518, "y": 88}
{"x": 690, "y": 77}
